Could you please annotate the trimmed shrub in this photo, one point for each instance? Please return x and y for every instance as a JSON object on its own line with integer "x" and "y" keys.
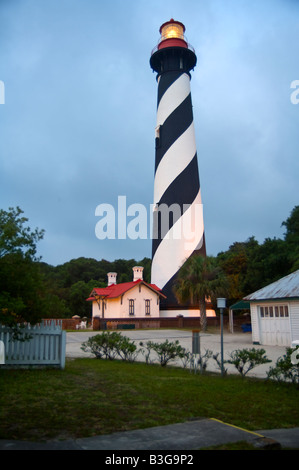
{"x": 109, "y": 345}
{"x": 286, "y": 368}
{"x": 246, "y": 359}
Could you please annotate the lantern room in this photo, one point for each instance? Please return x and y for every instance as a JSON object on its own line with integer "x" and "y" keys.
{"x": 173, "y": 53}
{"x": 172, "y": 35}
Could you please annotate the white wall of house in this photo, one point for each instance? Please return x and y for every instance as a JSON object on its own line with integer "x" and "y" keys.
{"x": 275, "y": 322}
{"x": 255, "y": 324}
{"x": 140, "y": 301}
{"x": 294, "y": 320}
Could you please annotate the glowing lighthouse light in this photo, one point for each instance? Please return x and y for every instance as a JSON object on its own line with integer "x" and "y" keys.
{"x": 172, "y": 35}
{"x": 172, "y": 29}
{"x": 171, "y": 32}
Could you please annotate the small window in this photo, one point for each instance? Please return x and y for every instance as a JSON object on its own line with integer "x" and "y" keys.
{"x": 286, "y": 311}
{"x": 131, "y": 306}
{"x": 158, "y": 136}
{"x": 271, "y": 311}
{"x": 147, "y": 307}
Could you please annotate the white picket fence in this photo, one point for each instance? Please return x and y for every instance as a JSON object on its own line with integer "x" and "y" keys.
{"x": 46, "y": 346}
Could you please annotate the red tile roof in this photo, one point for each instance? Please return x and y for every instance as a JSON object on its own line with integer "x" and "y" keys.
{"x": 116, "y": 290}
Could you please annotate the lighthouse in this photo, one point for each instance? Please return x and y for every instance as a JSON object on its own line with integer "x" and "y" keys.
{"x": 178, "y": 228}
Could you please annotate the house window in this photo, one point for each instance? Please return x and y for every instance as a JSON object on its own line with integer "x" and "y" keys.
{"x": 270, "y": 311}
{"x": 131, "y": 306}
{"x": 147, "y": 307}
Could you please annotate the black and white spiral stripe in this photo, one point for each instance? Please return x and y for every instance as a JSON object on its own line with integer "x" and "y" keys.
{"x": 176, "y": 181}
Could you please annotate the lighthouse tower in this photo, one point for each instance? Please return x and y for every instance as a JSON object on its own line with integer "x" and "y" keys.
{"x": 178, "y": 229}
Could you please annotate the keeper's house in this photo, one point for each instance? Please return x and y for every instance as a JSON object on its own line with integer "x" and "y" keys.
{"x": 275, "y": 312}
{"x": 126, "y": 300}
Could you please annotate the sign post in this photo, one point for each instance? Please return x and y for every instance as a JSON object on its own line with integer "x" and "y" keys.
{"x": 221, "y": 303}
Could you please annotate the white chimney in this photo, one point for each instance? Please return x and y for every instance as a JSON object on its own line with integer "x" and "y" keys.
{"x": 111, "y": 278}
{"x": 137, "y": 273}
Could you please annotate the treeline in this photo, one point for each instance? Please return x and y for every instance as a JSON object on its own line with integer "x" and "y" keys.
{"x": 248, "y": 265}
{"x": 69, "y": 285}
{"x": 31, "y": 289}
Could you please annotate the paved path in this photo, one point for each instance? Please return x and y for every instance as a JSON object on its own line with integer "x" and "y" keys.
{"x": 210, "y": 342}
{"x": 189, "y": 436}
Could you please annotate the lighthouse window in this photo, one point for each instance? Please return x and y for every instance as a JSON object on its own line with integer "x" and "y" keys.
{"x": 158, "y": 135}
{"x": 131, "y": 306}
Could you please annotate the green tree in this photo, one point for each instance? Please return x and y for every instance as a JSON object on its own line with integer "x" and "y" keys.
{"x": 20, "y": 280}
{"x": 15, "y": 237}
{"x": 234, "y": 262}
{"x": 199, "y": 279}
{"x": 78, "y": 295}
{"x": 54, "y": 306}
{"x": 267, "y": 263}
{"x": 292, "y": 237}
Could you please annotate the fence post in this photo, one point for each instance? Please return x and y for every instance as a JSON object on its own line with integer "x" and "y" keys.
{"x": 62, "y": 349}
{"x": 2, "y": 353}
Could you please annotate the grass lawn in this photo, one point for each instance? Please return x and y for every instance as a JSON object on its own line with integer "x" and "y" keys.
{"x": 92, "y": 397}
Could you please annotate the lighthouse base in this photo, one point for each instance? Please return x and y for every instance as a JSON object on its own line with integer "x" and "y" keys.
{"x": 191, "y": 312}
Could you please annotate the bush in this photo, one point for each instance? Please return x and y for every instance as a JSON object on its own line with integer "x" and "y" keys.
{"x": 186, "y": 358}
{"x": 168, "y": 351}
{"x": 285, "y": 369}
{"x": 218, "y": 362}
{"x": 126, "y": 349}
{"x": 108, "y": 345}
{"x": 246, "y": 359}
{"x": 146, "y": 350}
{"x": 200, "y": 362}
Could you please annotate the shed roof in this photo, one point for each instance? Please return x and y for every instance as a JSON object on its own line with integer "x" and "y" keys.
{"x": 286, "y": 287}
{"x": 241, "y": 305}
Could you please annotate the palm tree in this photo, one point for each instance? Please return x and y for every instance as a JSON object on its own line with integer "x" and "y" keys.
{"x": 200, "y": 278}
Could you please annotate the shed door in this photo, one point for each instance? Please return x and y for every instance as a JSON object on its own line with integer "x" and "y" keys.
{"x": 275, "y": 324}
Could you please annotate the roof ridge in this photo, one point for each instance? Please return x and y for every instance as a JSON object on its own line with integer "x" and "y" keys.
{"x": 116, "y": 290}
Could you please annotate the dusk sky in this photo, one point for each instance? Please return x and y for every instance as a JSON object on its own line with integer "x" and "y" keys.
{"x": 77, "y": 126}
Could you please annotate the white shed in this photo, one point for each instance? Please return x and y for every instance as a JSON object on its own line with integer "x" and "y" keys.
{"x": 275, "y": 312}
